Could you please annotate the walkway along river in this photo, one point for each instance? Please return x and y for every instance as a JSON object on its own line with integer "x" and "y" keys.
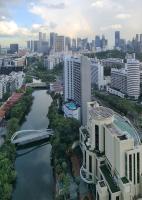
{"x": 34, "y": 171}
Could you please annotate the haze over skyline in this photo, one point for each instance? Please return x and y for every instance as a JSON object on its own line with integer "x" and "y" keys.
{"x": 21, "y": 20}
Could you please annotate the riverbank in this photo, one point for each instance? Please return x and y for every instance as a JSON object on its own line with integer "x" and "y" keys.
{"x": 8, "y": 150}
{"x": 66, "y": 133}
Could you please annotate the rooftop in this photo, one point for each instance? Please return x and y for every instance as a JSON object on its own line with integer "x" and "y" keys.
{"x": 126, "y": 128}
{"x": 101, "y": 112}
{"x": 71, "y": 106}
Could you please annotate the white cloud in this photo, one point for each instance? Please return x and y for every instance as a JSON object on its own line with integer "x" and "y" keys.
{"x": 123, "y": 16}
{"x": 98, "y": 3}
{"x": 111, "y": 27}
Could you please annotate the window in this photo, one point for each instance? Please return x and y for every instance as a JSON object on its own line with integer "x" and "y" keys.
{"x": 104, "y": 138}
{"x": 117, "y": 198}
{"x": 98, "y": 198}
{"x": 126, "y": 170}
{"x": 130, "y": 167}
{"x": 134, "y": 170}
{"x": 84, "y": 159}
{"x": 90, "y": 164}
{"x": 97, "y": 137}
{"x": 138, "y": 168}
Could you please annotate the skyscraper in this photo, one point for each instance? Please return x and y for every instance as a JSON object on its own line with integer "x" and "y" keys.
{"x": 53, "y": 40}
{"x": 60, "y": 44}
{"x": 77, "y": 82}
{"x": 133, "y": 78}
{"x": 117, "y": 39}
{"x": 40, "y": 36}
{"x": 97, "y": 42}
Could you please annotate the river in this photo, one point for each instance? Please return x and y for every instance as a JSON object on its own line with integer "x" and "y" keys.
{"x": 34, "y": 171}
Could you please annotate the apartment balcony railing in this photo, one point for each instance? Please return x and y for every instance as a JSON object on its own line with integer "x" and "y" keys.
{"x": 86, "y": 176}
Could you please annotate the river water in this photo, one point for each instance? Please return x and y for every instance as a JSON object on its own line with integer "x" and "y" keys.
{"x": 34, "y": 171}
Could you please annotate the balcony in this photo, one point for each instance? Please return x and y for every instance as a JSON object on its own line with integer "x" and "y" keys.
{"x": 85, "y": 175}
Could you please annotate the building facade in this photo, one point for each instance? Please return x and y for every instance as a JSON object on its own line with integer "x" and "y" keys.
{"x": 112, "y": 155}
{"x": 77, "y": 82}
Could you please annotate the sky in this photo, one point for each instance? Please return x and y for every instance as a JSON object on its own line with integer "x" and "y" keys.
{"x": 21, "y": 20}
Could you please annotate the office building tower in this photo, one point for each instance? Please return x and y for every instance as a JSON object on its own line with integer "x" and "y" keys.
{"x": 68, "y": 43}
{"x": 53, "y": 40}
{"x": 60, "y": 44}
{"x": 44, "y": 37}
{"x": 97, "y": 42}
{"x": 77, "y": 82}
{"x": 112, "y": 153}
{"x": 40, "y": 36}
{"x": 14, "y": 48}
{"x": 73, "y": 44}
{"x": 79, "y": 43}
{"x": 29, "y": 45}
{"x": 117, "y": 39}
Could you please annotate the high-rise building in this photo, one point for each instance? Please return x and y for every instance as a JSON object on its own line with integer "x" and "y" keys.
{"x": 127, "y": 80}
{"x": 73, "y": 44}
{"x": 60, "y": 44}
{"x": 29, "y": 45}
{"x": 97, "y": 74}
{"x": 117, "y": 39}
{"x": 44, "y": 37}
{"x": 40, "y": 36}
{"x": 14, "y": 48}
{"x": 79, "y": 43}
{"x": 77, "y": 82}
{"x": 112, "y": 153}
{"x": 53, "y": 40}
{"x": 133, "y": 77}
{"x": 97, "y": 42}
{"x": 68, "y": 43}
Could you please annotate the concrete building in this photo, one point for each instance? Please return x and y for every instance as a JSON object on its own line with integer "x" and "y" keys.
{"x": 72, "y": 110}
{"x": 77, "y": 82}
{"x": 52, "y": 60}
{"x": 112, "y": 155}
{"x": 14, "y": 48}
{"x": 133, "y": 78}
{"x": 119, "y": 80}
{"x": 117, "y": 39}
{"x": 126, "y": 80}
{"x": 60, "y": 44}
{"x": 10, "y": 83}
{"x": 97, "y": 74}
{"x": 53, "y": 40}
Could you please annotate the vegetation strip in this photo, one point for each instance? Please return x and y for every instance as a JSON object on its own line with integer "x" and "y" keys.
{"x": 8, "y": 150}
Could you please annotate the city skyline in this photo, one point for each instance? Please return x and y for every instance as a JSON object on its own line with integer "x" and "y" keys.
{"x": 22, "y": 19}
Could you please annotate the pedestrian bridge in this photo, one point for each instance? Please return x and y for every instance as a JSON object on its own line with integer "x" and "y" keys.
{"x": 37, "y": 85}
{"x": 28, "y": 136}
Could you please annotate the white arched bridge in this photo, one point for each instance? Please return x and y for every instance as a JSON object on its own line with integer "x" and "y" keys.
{"x": 28, "y": 136}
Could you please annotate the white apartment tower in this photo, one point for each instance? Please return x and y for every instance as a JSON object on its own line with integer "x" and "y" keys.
{"x": 112, "y": 155}
{"x": 77, "y": 82}
{"x": 133, "y": 77}
{"x": 97, "y": 73}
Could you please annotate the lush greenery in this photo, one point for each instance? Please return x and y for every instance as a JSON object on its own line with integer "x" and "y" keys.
{"x": 113, "y": 54}
{"x": 22, "y": 107}
{"x": 8, "y": 151}
{"x": 36, "y": 69}
{"x": 124, "y": 106}
{"x": 66, "y": 132}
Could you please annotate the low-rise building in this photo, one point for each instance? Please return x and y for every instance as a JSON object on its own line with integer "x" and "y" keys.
{"x": 72, "y": 110}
